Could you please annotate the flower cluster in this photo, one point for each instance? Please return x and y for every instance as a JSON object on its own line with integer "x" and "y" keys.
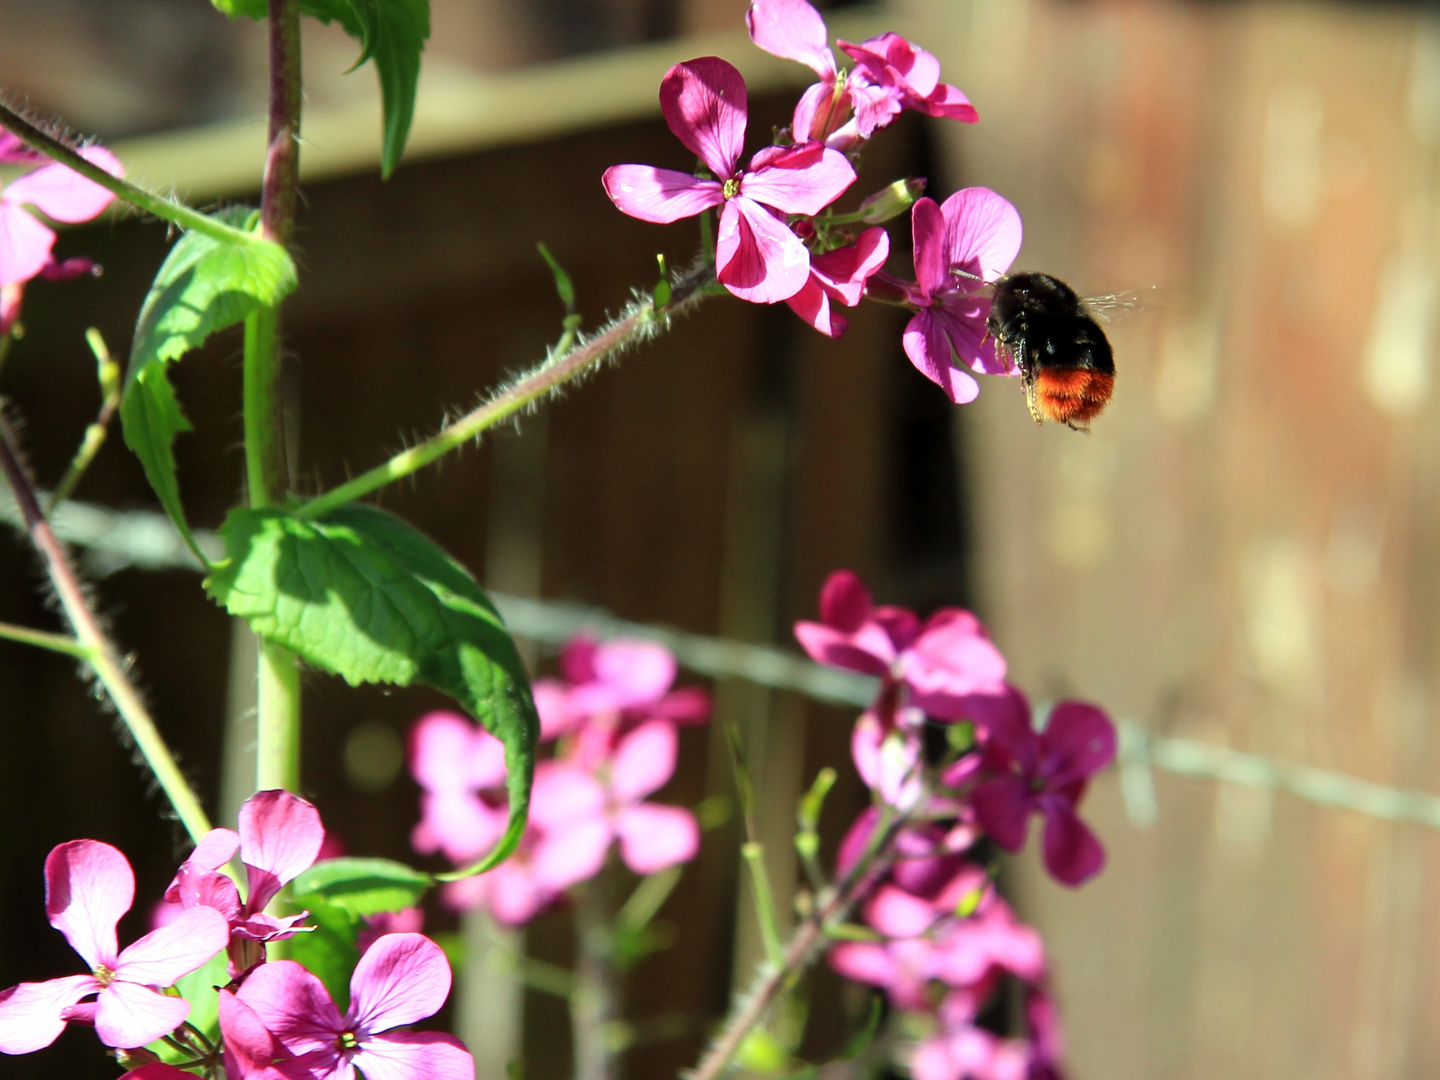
{"x": 613, "y": 719}
{"x": 276, "y": 1019}
{"x": 943, "y": 939}
{"x": 779, "y": 237}
{"x": 26, "y": 243}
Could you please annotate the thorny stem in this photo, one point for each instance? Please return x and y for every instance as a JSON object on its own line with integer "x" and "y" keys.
{"x": 278, "y": 692}
{"x": 101, "y": 654}
{"x": 800, "y": 951}
{"x": 541, "y": 380}
{"x": 138, "y": 197}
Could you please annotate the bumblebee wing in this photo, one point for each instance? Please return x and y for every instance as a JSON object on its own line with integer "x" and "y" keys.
{"x": 1114, "y": 306}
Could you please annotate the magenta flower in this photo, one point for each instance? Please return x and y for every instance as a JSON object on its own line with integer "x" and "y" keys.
{"x": 610, "y": 687}
{"x": 460, "y": 768}
{"x": 938, "y": 666}
{"x": 88, "y": 886}
{"x": 280, "y": 836}
{"x": 57, "y": 192}
{"x": 966, "y": 1052}
{"x": 1044, "y": 773}
{"x": 401, "y": 979}
{"x": 410, "y": 920}
{"x": 960, "y": 248}
{"x": 840, "y": 275}
{"x": 844, "y": 108}
{"x": 251, "y": 1051}
{"x": 757, "y": 256}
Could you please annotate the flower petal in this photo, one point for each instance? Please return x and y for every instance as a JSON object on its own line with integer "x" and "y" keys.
{"x": 1003, "y": 810}
{"x": 845, "y": 270}
{"x": 897, "y": 914}
{"x": 30, "y": 1013}
{"x": 563, "y": 793}
{"x": 627, "y": 675}
{"x": 249, "y": 1046}
{"x": 927, "y": 227}
{"x": 758, "y": 258}
{"x": 660, "y": 195}
{"x": 705, "y": 104}
{"x": 415, "y": 1055}
{"x": 280, "y": 835}
{"x": 812, "y": 304}
{"x": 1079, "y": 741}
{"x": 928, "y": 348}
{"x": 1005, "y": 720}
{"x": 794, "y": 30}
{"x": 1073, "y": 854}
{"x": 88, "y": 886}
{"x": 216, "y": 849}
{"x": 982, "y": 232}
{"x": 644, "y": 761}
{"x": 460, "y": 824}
{"x": 864, "y": 961}
{"x": 963, "y": 317}
{"x": 24, "y": 245}
{"x": 128, "y": 1015}
{"x": 163, "y": 955}
{"x": 947, "y": 103}
{"x": 655, "y": 837}
{"x": 571, "y": 854}
{"x": 817, "y": 109}
{"x": 294, "y": 1005}
{"x": 867, "y": 652}
{"x": 400, "y": 979}
{"x": 800, "y": 179}
{"x": 63, "y": 194}
{"x": 440, "y": 751}
{"x": 845, "y": 602}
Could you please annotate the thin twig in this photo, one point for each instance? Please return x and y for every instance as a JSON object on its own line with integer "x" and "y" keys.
{"x": 642, "y": 321}
{"x": 161, "y": 207}
{"x": 102, "y": 656}
{"x": 44, "y": 640}
{"x": 109, "y": 376}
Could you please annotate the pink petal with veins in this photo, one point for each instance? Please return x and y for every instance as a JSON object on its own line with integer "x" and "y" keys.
{"x": 705, "y": 105}
{"x": 127, "y": 1015}
{"x": 946, "y": 102}
{"x": 30, "y": 1013}
{"x": 758, "y": 258}
{"x": 928, "y": 347}
{"x": 812, "y": 303}
{"x": 927, "y": 226}
{"x": 793, "y": 30}
{"x": 63, "y": 194}
{"x": 402, "y": 978}
{"x": 162, "y": 956}
{"x": 800, "y": 179}
{"x": 294, "y": 1005}
{"x": 415, "y": 1055}
{"x": 659, "y": 195}
{"x": 983, "y": 232}
{"x": 88, "y": 886}
{"x": 655, "y": 837}
{"x": 844, "y": 271}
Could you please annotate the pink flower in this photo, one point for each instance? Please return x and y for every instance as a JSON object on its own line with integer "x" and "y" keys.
{"x": 401, "y": 979}
{"x": 58, "y": 193}
{"x": 757, "y": 256}
{"x": 410, "y": 920}
{"x": 840, "y": 275}
{"x": 88, "y": 886}
{"x": 608, "y": 688}
{"x": 969, "y": 1053}
{"x": 1044, "y": 773}
{"x": 460, "y": 768}
{"x": 251, "y": 1051}
{"x": 939, "y": 666}
{"x": 844, "y": 108}
{"x": 960, "y": 248}
{"x": 280, "y": 836}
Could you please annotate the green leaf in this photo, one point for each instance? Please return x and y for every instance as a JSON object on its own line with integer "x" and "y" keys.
{"x": 329, "y": 950}
{"x": 364, "y": 595}
{"x": 203, "y": 286}
{"x": 365, "y": 886}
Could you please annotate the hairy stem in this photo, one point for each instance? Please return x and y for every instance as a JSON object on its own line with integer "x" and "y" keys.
{"x": 592, "y": 1000}
{"x": 42, "y": 639}
{"x": 803, "y": 948}
{"x": 277, "y": 725}
{"x": 561, "y": 368}
{"x": 161, "y": 207}
{"x": 99, "y": 651}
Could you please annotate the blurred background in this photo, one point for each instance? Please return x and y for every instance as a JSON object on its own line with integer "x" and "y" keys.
{"x": 1245, "y": 551}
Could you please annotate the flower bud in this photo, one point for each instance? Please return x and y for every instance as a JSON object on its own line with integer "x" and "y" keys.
{"x": 891, "y": 202}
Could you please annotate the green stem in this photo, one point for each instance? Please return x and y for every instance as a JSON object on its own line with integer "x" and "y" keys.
{"x": 277, "y": 721}
{"x": 138, "y": 197}
{"x": 101, "y": 654}
{"x": 541, "y": 380}
{"x": 43, "y": 640}
{"x": 764, "y": 901}
{"x": 109, "y": 377}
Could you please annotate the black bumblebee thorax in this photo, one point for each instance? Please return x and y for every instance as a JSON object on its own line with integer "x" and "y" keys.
{"x": 1040, "y": 322}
